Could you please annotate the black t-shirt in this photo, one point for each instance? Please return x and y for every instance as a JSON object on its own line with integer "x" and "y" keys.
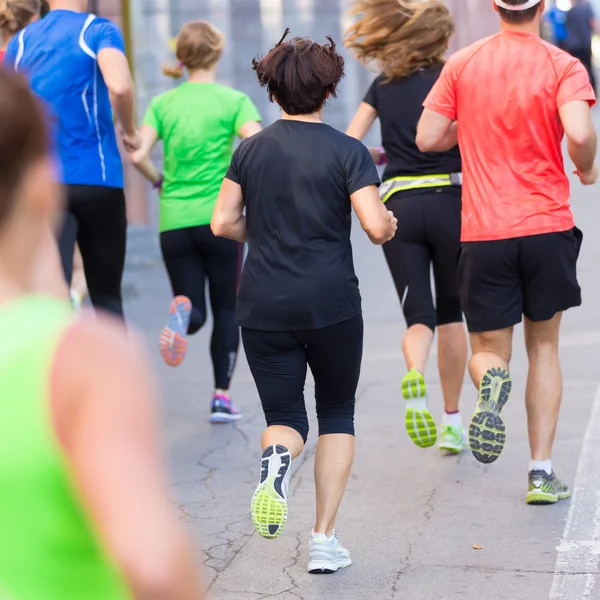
{"x": 399, "y": 105}
{"x": 297, "y": 178}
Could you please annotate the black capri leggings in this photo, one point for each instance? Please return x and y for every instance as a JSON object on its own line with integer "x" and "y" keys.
{"x": 192, "y": 255}
{"x": 279, "y": 359}
{"x": 96, "y": 219}
{"x": 428, "y": 235}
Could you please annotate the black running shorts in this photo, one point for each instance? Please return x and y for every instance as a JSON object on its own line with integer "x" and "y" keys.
{"x": 535, "y": 276}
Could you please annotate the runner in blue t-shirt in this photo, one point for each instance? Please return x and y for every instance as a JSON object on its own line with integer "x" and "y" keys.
{"x": 76, "y": 63}
{"x": 557, "y": 19}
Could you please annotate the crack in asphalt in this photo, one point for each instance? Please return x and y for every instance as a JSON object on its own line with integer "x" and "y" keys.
{"x": 286, "y": 570}
{"x": 223, "y": 551}
{"x": 406, "y": 563}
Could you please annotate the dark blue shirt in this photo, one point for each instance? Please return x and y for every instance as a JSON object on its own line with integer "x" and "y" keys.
{"x": 579, "y": 26}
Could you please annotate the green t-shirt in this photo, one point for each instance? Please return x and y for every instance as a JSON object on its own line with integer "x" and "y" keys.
{"x": 197, "y": 123}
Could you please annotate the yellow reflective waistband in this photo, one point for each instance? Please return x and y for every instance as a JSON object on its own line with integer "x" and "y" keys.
{"x": 396, "y": 184}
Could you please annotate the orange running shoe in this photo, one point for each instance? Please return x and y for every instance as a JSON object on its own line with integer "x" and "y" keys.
{"x": 173, "y": 339}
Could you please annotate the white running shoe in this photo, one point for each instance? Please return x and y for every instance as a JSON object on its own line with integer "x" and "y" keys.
{"x": 327, "y": 555}
{"x": 453, "y": 440}
{"x": 76, "y": 300}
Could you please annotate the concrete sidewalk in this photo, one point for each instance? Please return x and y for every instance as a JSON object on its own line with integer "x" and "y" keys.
{"x": 410, "y": 516}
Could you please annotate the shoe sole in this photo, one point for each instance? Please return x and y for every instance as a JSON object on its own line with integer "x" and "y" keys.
{"x": 269, "y": 509}
{"x": 222, "y": 419}
{"x": 487, "y": 434}
{"x": 173, "y": 339}
{"x": 540, "y": 498}
{"x": 419, "y": 423}
{"x": 326, "y": 567}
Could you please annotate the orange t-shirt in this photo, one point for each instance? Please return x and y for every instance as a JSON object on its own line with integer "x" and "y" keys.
{"x": 505, "y": 92}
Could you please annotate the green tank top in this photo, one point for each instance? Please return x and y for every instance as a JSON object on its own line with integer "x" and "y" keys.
{"x": 48, "y": 547}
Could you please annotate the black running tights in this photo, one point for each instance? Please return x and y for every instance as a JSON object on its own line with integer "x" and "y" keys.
{"x": 279, "y": 360}
{"x": 96, "y": 219}
{"x": 192, "y": 255}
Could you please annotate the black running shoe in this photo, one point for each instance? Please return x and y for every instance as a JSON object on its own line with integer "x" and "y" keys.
{"x": 546, "y": 489}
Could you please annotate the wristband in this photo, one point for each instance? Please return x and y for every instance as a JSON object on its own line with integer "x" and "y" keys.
{"x": 382, "y": 156}
{"x": 159, "y": 183}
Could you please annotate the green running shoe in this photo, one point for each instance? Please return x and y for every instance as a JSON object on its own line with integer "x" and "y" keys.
{"x": 453, "y": 440}
{"x": 269, "y": 504}
{"x": 486, "y": 432}
{"x": 546, "y": 489}
{"x": 419, "y": 422}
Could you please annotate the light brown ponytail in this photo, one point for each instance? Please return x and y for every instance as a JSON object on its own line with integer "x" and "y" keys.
{"x": 17, "y": 14}
{"x": 199, "y": 46}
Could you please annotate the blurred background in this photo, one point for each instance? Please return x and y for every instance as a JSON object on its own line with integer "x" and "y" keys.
{"x": 252, "y": 27}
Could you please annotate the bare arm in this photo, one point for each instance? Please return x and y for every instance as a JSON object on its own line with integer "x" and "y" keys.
{"x": 249, "y": 129}
{"x": 379, "y": 223}
{"x": 362, "y": 121}
{"x": 359, "y": 127}
{"x": 581, "y": 136}
{"x": 117, "y": 76}
{"x": 141, "y": 157}
{"x": 435, "y": 132}
{"x": 104, "y": 415}
{"x": 228, "y": 218}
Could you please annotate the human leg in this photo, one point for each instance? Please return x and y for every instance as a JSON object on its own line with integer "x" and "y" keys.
{"x": 550, "y": 266}
{"x": 492, "y": 298}
{"x": 223, "y": 260}
{"x": 102, "y": 239}
{"x": 489, "y": 364}
{"x": 543, "y": 394}
{"x": 277, "y": 361}
{"x": 452, "y": 362}
{"x": 443, "y": 224}
{"x": 187, "y": 274}
{"x": 334, "y": 355}
{"x": 409, "y": 261}
{"x": 79, "y": 290}
{"x": 67, "y": 238}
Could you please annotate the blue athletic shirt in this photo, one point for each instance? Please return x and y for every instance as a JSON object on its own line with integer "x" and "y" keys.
{"x": 59, "y": 55}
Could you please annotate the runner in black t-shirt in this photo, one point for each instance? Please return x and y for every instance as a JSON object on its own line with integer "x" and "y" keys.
{"x": 423, "y": 191}
{"x": 299, "y": 305}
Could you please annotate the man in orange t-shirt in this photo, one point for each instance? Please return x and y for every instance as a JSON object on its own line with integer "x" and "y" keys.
{"x": 508, "y": 100}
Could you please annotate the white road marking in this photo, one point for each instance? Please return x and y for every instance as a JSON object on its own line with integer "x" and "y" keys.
{"x": 576, "y": 570}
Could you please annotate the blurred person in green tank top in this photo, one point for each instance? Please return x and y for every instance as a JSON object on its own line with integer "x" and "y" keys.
{"x": 198, "y": 122}
{"x": 83, "y": 513}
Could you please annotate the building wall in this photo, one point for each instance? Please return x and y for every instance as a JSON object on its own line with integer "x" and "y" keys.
{"x": 474, "y": 19}
{"x": 252, "y": 27}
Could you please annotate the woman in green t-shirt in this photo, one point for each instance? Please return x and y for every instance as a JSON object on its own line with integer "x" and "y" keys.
{"x": 197, "y": 123}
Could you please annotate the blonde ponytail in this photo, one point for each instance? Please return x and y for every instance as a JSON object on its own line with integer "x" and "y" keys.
{"x": 199, "y": 45}
{"x": 17, "y": 14}
{"x": 173, "y": 71}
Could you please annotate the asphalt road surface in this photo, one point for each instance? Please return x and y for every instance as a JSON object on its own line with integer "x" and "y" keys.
{"x": 411, "y": 517}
